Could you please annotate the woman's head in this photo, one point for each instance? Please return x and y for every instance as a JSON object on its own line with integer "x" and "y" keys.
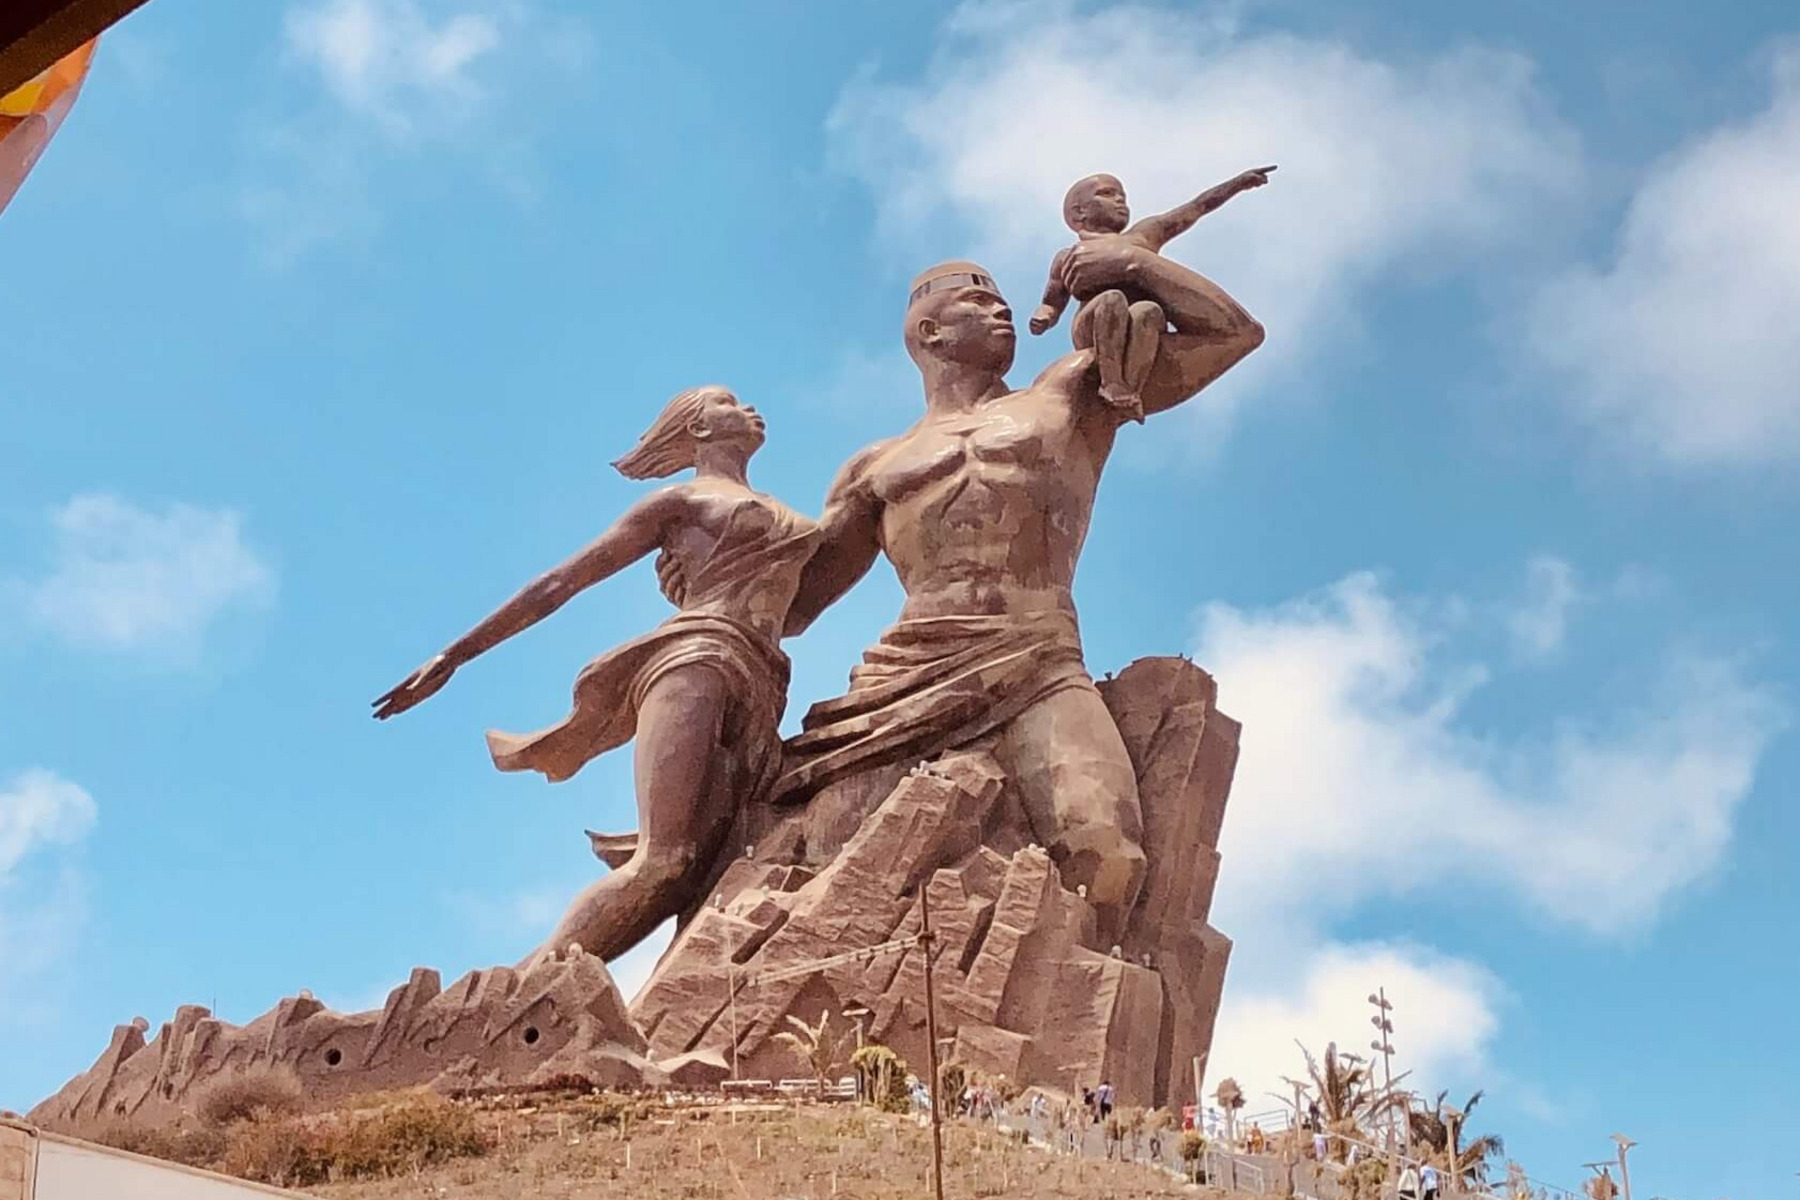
{"x": 702, "y": 416}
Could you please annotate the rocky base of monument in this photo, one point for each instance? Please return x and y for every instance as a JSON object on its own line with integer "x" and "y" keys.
{"x": 1025, "y": 986}
{"x": 490, "y": 1028}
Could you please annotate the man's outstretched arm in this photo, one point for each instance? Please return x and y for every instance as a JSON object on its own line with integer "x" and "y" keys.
{"x": 849, "y": 540}
{"x": 1212, "y": 331}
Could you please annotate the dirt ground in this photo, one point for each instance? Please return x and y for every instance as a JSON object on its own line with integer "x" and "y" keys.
{"x": 764, "y": 1153}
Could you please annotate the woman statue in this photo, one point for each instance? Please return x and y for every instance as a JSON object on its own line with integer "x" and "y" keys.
{"x": 703, "y": 692}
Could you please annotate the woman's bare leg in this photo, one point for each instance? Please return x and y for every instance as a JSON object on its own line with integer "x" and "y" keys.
{"x": 684, "y": 804}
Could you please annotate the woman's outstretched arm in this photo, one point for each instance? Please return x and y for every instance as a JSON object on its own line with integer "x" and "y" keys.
{"x": 642, "y": 529}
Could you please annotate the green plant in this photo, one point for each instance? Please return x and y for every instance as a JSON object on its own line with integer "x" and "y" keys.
{"x": 953, "y": 1084}
{"x": 821, "y": 1049}
{"x": 882, "y": 1074}
{"x": 1440, "y": 1131}
{"x": 1193, "y": 1145}
{"x": 1349, "y": 1099}
{"x": 1230, "y": 1095}
{"x": 240, "y": 1097}
{"x": 1364, "y": 1180}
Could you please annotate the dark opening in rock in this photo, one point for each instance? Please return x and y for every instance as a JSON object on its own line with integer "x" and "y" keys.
{"x": 531, "y": 1035}
{"x": 333, "y": 1057}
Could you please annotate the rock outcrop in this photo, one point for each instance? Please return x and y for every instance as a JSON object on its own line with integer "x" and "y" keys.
{"x": 1024, "y": 986}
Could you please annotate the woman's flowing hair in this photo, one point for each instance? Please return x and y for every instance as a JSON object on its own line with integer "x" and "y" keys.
{"x": 668, "y": 445}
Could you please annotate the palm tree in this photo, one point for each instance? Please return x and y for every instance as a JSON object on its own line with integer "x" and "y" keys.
{"x": 821, "y": 1049}
{"x": 1440, "y": 1131}
{"x": 1349, "y": 1099}
{"x": 1230, "y": 1096}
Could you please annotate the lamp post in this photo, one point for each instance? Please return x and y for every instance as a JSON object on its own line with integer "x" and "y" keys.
{"x": 1624, "y": 1143}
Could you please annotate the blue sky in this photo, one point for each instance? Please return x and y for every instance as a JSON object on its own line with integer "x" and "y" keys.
{"x": 329, "y": 314}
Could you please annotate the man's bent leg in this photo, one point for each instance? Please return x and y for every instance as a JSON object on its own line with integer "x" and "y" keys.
{"x": 1065, "y": 756}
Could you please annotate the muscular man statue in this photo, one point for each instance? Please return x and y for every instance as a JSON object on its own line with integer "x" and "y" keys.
{"x": 982, "y": 507}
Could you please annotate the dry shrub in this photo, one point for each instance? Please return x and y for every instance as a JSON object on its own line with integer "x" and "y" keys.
{"x": 399, "y": 1140}
{"x": 406, "y": 1138}
{"x": 241, "y": 1097}
{"x": 279, "y": 1151}
{"x": 610, "y": 1109}
{"x": 192, "y": 1147}
{"x": 1364, "y": 1181}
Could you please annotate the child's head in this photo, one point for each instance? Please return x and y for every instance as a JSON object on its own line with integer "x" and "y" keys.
{"x": 708, "y": 415}
{"x": 1097, "y": 205}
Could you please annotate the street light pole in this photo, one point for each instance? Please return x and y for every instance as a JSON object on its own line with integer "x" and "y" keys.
{"x": 1384, "y": 1025}
{"x": 1624, "y": 1143}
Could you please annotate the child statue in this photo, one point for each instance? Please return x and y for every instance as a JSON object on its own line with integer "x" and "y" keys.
{"x": 702, "y": 693}
{"x": 1121, "y": 325}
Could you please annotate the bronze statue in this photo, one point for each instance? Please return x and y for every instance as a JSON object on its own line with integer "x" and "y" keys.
{"x": 982, "y": 507}
{"x": 1124, "y": 324}
{"x": 703, "y": 692}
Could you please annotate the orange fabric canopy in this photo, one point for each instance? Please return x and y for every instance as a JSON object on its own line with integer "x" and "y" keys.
{"x": 31, "y": 113}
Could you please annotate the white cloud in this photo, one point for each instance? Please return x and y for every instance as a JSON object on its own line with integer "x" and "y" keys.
{"x": 1682, "y": 348}
{"x": 1451, "y": 1015}
{"x": 1540, "y": 624}
{"x": 39, "y": 808}
{"x": 1385, "y": 164}
{"x": 402, "y": 86}
{"x": 386, "y": 59}
{"x": 1364, "y": 778}
{"x": 127, "y": 578}
{"x": 43, "y": 820}
{"x": 1361, "y": 776}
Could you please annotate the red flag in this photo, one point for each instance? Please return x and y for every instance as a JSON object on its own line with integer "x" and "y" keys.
{"x": 31, "y": 113}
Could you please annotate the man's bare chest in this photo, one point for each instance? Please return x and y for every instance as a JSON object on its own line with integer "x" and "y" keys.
{"x": 1000, "y": 441}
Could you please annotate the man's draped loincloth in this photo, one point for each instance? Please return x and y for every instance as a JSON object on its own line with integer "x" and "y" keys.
{"x": 609, "y": 691}
{"x": 929, "y": 685}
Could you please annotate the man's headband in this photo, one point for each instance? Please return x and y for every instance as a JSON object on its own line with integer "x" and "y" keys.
{"x": 950, "y": 275}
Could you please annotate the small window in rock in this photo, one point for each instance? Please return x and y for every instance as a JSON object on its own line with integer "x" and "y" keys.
{"x": 333, "y": 1057}
{"x": 531, "y": 1035}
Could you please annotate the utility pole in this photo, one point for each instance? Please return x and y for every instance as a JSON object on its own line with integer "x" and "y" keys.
{"x": 1384, "y": 1024}
{"x": 931, "y": 1055}
{"x": 1624, "y": 1143}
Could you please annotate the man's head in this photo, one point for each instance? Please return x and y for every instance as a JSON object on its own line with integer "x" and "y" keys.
{"x": 1097, "y": 205}
{"x": 956, "y": 315}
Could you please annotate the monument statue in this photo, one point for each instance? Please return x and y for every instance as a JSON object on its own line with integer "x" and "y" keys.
{"x": 703, "y": 692}
{"x": 1123, "y": 325}
{"x": 1064, "y": 831}
{"x": 982, "y": 507}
